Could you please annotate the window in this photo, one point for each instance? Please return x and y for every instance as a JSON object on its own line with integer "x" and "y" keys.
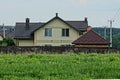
{"x": 48, "y": 32}
{"x": 65, "y": 32}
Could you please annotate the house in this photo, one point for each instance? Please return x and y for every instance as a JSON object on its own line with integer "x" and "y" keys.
{"x": 91, "y": 39}
{"x": 55, "y": 32}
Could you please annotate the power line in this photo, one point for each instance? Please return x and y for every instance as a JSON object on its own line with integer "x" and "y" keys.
{"x": 116, "y": 14}
{"x": 115, "y": 18}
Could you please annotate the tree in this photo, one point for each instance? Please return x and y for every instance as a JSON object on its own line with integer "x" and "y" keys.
{"x": 116, "y": 41}
{"x": 8, "y": 41}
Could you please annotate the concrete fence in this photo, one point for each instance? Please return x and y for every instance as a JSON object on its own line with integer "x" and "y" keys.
{"x": 55, "y": 49}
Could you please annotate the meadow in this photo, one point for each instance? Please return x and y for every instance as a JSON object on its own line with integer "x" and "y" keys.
{"x": 59, "y": 66}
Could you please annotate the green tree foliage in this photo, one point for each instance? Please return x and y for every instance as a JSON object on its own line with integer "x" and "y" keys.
{"x": 100, "y": 31}
{"x": 8, "y": 42}
{"x": 116, "y": 41}
{"x": 115, "y": 33}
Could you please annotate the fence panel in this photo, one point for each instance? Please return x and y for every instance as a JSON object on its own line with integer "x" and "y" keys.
{"x": 55, "y": 49}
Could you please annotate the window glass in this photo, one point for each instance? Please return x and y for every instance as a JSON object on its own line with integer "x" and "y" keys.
{"x": 48, "y": 31}
{"x": 65, "y": 32}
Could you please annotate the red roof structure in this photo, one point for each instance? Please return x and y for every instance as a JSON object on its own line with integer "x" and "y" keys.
{"x": 91, "y": 38}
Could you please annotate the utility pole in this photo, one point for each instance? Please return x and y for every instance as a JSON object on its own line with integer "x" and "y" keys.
{"x": 111, "y": 21}
{"x": 105, "y": 32}
{"x": 3, "y": 30}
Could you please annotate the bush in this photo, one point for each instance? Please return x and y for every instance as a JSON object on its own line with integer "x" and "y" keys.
{"x": 8, "y": 42}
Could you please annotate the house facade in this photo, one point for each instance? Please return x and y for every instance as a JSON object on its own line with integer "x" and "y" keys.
{"x": 55, "y": 32}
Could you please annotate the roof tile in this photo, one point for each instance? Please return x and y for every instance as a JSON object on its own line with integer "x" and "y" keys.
{"x": 91, "y": 38}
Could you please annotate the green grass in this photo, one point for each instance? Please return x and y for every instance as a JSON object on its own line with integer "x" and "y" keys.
{"x": 59, "y": 66}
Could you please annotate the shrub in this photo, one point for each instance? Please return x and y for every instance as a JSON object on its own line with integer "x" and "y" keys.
{"x": 8, "y": 42}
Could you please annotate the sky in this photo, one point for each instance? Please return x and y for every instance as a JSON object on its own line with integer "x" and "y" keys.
{"x": 98, "y": 12}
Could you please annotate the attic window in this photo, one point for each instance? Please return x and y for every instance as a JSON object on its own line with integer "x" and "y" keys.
{"x": 65, "y": 32}
{"x": 48, "y": 32}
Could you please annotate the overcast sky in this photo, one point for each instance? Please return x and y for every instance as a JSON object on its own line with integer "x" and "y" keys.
{"x": 98, "y": 12}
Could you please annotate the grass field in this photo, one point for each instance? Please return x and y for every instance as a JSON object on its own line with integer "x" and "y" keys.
{"x": 59, "y": 66}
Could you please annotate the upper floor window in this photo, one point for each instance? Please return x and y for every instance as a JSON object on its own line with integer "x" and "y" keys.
{"x": 48, "y": 32}
{"x": 65, "y": 32}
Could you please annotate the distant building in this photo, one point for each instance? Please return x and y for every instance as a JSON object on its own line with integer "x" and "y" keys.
{"x": 8, "y": 31}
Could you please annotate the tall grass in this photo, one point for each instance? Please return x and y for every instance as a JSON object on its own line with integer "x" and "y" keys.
{"x": 59, "y": 66}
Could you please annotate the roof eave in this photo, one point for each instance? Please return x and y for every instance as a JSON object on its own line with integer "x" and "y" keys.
{"x": 91, "y": 43}
{"x": 24, "y": 38}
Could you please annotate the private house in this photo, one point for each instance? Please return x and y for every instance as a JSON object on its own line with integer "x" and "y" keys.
{"x": 55, "y": 32}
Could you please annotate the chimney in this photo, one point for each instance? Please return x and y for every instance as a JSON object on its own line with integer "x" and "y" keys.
{"x": 89, "y": 28}
{"x": 86, "y": 19}
{"x": 27, "y": 23}
{"x": 56, "y": 14}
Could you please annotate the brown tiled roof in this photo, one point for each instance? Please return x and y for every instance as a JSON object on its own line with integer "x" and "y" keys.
{"x": 91, "y": 38}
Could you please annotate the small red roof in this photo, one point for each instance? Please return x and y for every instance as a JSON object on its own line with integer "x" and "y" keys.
{"x": 91, "y": 38}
